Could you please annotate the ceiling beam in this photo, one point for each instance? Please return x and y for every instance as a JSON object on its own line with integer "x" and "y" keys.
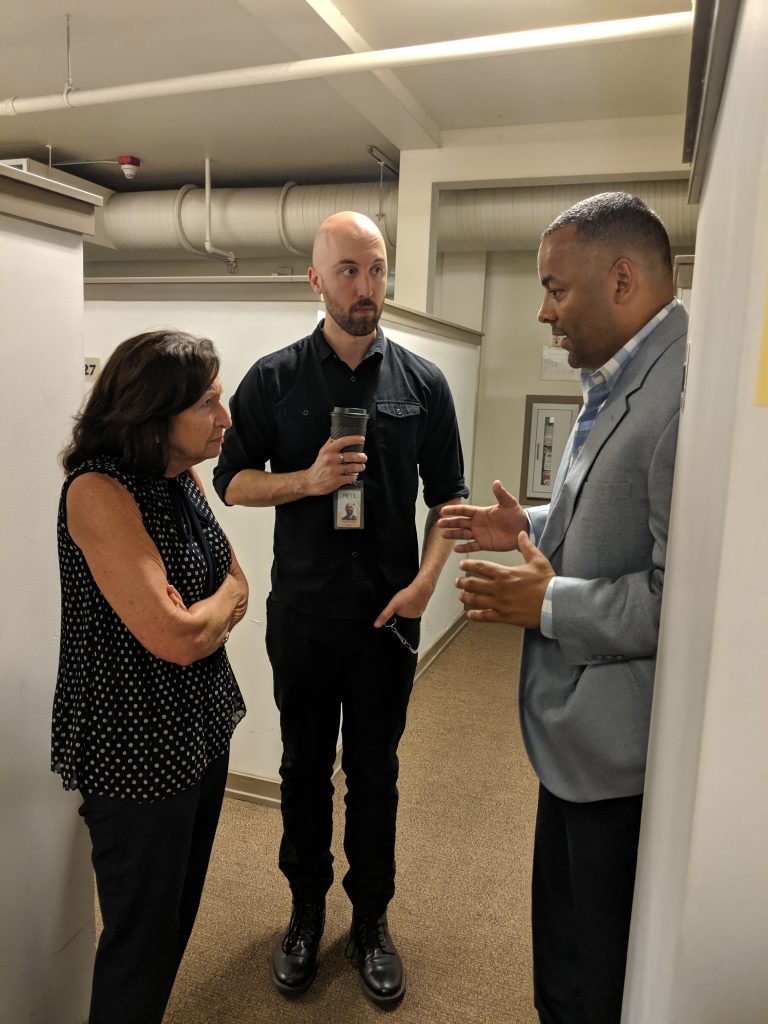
{"x": 383, "y": 99}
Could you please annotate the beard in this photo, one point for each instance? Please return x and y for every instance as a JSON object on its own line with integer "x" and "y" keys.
{"x": 357, "y": 326}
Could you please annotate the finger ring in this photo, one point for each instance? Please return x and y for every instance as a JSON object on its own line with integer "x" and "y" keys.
{"x": 341, "y": 458}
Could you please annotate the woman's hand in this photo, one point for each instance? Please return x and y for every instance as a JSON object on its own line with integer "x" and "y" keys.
{"x": 175, "y": 597}
{"x": 105, "y": 522}
{"x": 236, "y": 576}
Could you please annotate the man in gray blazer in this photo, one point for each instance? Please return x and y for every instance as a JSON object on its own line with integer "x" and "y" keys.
{"x": 589, "y": 591}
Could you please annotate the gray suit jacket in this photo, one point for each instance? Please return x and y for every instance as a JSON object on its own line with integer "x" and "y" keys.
{"x": 585, "y": 698}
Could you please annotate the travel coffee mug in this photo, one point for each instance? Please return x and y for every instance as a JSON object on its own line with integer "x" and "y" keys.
{"x": 346, "y": 421}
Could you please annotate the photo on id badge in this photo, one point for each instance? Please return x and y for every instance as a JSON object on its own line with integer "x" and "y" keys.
{"x": 348, "y": 508}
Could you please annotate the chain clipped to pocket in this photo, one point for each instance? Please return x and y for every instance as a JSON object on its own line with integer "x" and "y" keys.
{"x": 392, "y": 624}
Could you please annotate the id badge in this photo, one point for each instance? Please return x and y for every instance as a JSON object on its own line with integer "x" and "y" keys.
{"x": 348, "y": 507}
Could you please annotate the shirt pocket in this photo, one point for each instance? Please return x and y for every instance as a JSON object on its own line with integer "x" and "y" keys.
{"x": 302, "y": 430}
{"x": 398, "y": 423}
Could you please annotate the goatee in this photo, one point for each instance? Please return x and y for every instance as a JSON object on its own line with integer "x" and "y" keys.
{"x": 356, "y": 326}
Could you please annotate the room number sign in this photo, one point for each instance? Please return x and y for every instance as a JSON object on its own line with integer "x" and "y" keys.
{"x": 92, "y": 367}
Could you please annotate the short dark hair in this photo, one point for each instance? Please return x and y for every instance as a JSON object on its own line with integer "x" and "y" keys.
{"x": 148, "y": 379}
{"x": 619, "y": 218}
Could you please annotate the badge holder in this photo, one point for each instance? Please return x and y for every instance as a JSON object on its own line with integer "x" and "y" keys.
{"x": 348, "y": 507}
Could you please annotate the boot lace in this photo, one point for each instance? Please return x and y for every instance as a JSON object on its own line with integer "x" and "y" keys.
{"x": 368, "y": 935}
{"x": 304, "y": 925}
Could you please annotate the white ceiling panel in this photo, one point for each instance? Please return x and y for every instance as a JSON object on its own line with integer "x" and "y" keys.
{"x": 316, "y": 130}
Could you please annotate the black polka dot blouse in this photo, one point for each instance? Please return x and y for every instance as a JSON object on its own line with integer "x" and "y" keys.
{"x": 127, "y": 724}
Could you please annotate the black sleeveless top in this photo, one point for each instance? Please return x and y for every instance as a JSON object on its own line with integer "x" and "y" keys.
{"x": 126, "y": 723}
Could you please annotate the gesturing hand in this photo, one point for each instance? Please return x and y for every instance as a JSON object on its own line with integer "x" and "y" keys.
{"x": 485, "y": 528}
{"x": 332, "y": 467}
{"x": 511, "y": 594}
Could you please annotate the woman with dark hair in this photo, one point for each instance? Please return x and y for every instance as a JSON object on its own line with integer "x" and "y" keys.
{"x": 146, "y": 701}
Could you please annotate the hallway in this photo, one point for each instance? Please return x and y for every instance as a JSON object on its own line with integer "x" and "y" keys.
{"x": 460, "y": 916}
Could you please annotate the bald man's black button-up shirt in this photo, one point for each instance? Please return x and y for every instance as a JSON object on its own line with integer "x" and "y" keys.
{"x": 281, "y": 417}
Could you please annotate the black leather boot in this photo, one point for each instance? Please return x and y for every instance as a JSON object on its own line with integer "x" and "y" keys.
{"x": 294, "y": 960}
{"x": 373, "y": 953}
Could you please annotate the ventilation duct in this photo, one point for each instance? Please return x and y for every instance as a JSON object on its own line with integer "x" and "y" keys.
{"x": 273, "y": 221}
{"x": 503, "y": 219}
{"x": 249, "y": 221}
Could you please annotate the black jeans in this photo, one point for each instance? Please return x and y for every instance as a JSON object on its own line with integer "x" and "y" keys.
{"x": 583, "y": 880}
{"x": 323, "y": 667}
{"x": 150, "y": 861}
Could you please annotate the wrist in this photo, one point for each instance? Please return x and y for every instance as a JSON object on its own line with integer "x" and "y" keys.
{"x": 303, "y": 484}
{"x": 422, "y": 589}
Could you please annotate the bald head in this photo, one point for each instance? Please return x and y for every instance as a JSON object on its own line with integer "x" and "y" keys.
{"x": 340, "y": 227}
{"x": 349, "y": 271}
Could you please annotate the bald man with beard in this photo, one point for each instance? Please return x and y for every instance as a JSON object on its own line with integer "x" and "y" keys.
{"x": 343, "y": 615}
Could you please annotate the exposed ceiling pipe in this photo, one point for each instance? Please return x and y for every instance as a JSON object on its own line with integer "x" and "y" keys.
{"x": 372, "y": 60}
{"x": 210, "y": 248}
{"x": 178, "y": 199}
{"x": 273, "y": 221}
{"x": 263, "y": 221}
{"x": 499, "y": 219}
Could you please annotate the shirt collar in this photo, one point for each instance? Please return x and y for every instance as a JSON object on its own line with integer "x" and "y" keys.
{"x": 609, "y": 373}
{"x": 324, "y": 350}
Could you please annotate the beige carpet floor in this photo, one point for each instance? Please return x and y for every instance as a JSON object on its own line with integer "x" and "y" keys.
{"x": 461, "y": 913}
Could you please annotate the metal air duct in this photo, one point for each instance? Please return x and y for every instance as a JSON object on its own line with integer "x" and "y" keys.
{"x": 273, "y": 221}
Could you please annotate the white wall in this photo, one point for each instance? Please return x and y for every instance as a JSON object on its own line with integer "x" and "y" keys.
{"x": 46, "y": 942}
{"x": 699, "y": 944}
{"x": 460, "y": 288}
{"x": 460, "y": 362}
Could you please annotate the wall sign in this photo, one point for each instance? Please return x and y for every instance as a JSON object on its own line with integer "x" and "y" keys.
{"x": 92, "y": 368}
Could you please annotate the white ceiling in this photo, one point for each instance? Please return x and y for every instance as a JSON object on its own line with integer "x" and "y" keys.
{"x": 312, "y": 131}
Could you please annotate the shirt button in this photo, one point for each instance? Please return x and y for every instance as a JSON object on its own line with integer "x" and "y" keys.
{"x": 354, "y": 554}
{"x": 353, "y": 378}
{"x": 305, "y": 412}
